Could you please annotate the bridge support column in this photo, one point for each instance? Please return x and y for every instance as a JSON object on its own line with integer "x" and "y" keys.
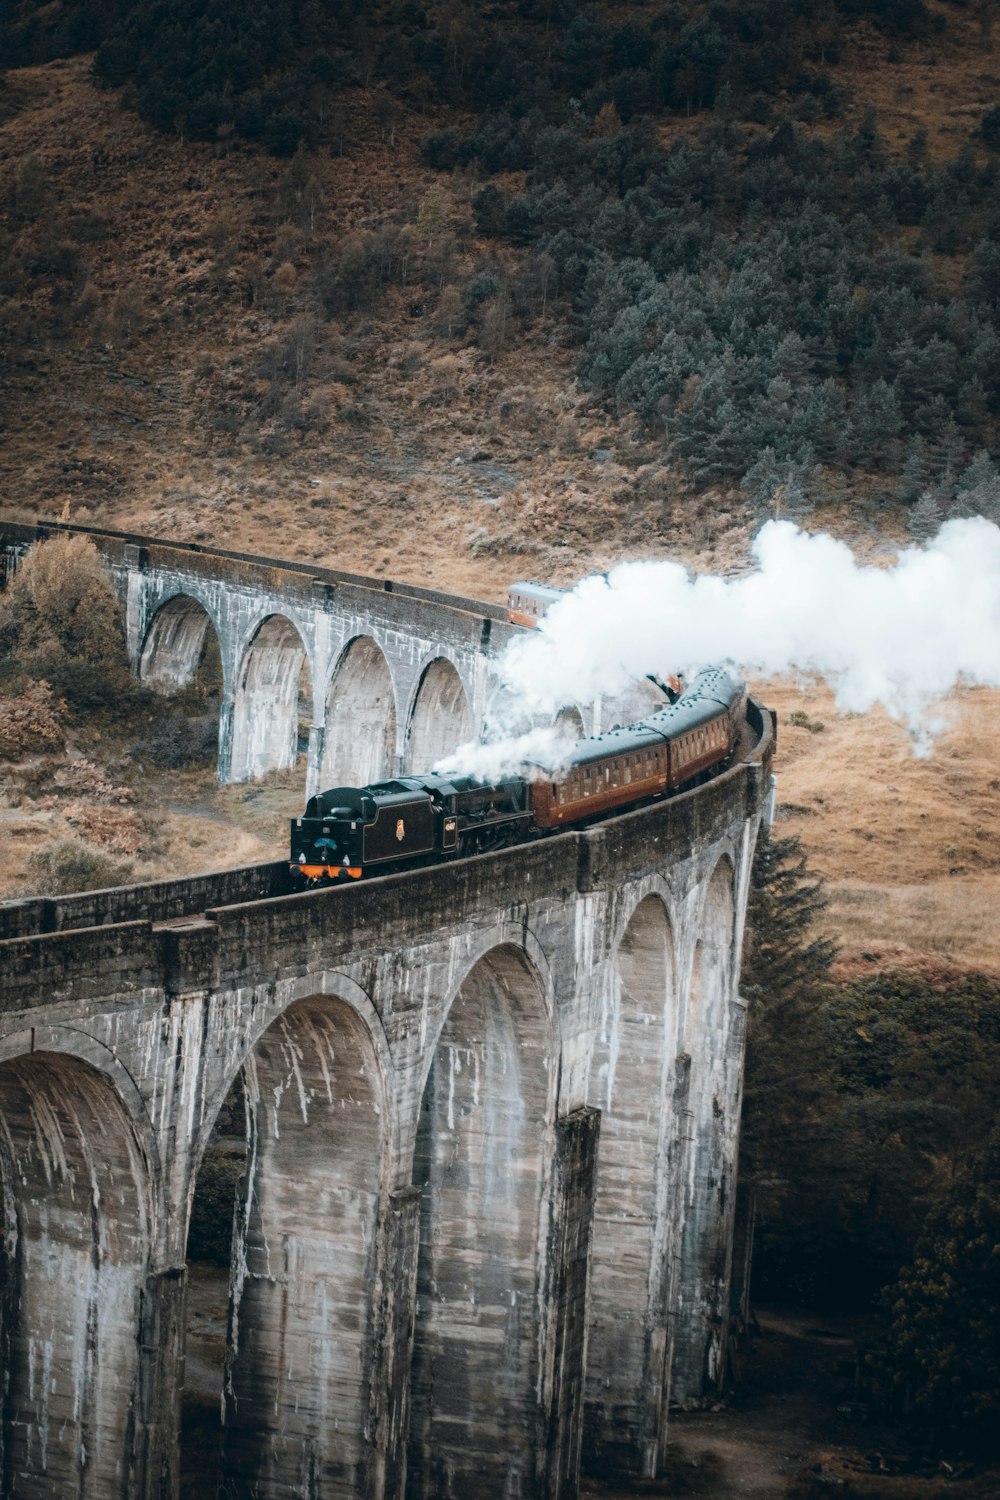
{"x": 701, "y": 1302}
{"x": 314, "y": 760}
{"x": 569, "y": 1262}
{"x": 161, "y": 1379}
{"x": 399, "y": 1252}
{"x": 725, "y": 1224}
{"x": 226, "y": 709}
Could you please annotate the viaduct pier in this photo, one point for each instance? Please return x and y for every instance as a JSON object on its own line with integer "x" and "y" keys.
{"x": 484, "y": 1231}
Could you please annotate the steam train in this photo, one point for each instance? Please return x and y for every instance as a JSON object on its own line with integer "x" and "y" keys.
{"x": 348, "y": 832}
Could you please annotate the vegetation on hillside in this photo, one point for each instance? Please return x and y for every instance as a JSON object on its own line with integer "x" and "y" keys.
{"x": 866, "y": 1109}
{"x": 942, "y": 1353}
{"x": 774, "y": 298}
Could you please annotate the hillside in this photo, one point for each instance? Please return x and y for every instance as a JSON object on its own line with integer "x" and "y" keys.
{"x": 214, "y": 343}
{"x": 339, "y": 355}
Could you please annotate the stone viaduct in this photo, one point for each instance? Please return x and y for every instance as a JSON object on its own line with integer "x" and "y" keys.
{"x": 373, "y": 677}
{"x": 492, "y": 1107}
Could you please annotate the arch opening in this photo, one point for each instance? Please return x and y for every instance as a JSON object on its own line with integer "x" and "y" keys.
{"x": 640, "y": 698}
{"x": 218, "y": 1188}
{"x": 709, "y": 1151}
{"x": 441, "y": 717}
{"x": 181, "y": 660}
{"x": 480, "y": 1162}
{"x": 296, "y": 1386}
{"x": 570, "y": 720}
{"x": 359, "y": 744}
{"x": 272, "y": 710}
{"x": 625, "y": 1398}
{"x": 73, "y": 1261}
{"x": 181, "y": 646}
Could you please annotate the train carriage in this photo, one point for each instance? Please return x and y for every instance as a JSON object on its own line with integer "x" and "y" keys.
{"x": 527, "y": 602}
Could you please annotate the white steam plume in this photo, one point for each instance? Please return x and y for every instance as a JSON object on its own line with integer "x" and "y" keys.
{"x": 902, "y": 636}
{"x": 514, "y": 753}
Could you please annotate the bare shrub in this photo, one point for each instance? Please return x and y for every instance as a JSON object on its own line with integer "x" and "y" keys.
{"x": 449, "y": 318}
{"x": 446, "y": 375}
{"x": 30, "y": 193}
{"x": 67, "y": 865}
{"x": 518, "y": 409}
{"x": 533, "y": 285}
{"x": 119, "y": 830}
{"x": 178, "y": 741}
{"x": 88, "y": 780}
{"x": 567, "y": 435}
{"x": 30, "y": 722}
{"x": 124, "y": 315}
{"x": 60, "y": 621}
{"x": 502, "y": 544}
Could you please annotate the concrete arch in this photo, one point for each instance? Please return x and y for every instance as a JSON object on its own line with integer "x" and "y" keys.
{"x": 481, "y": 1161}
{"x": 440, "y": 716}
{"x": 508, "y": 934}
{"x": 81, "y": 1047}
{"x": 570, "y": 719}
{"x": 630, "y": 1079}
{"x": 274, "y": 673}
{"x": 298, "y": 1388}
{"x": 359, "y": 740}
{"x": 180, "y": 634}
{"x": 711, "y": 967}
{"x": 75, "y": 1253}
{"x": 330, "y": 984}
{"x": 708, "y": 1153}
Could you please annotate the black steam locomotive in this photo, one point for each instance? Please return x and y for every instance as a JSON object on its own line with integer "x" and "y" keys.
{"x": 348, "y": 832}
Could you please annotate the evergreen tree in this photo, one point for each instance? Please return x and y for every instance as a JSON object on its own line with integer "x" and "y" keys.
{"x": 792, "y": 502}
{"x": 949, "y": 451}
{"x": 875, "y": 421}
{"x": 943, "y": 1351}
{"x": 925, "y": 518}
{"x": 913, "y": 476}
{"x": 783, "y": 962}
{"x": 761, "y": 480}
{"x": 978, "y": 489}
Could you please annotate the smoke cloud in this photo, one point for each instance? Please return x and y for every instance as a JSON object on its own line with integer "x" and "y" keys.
{"x": 902, "y": 636}
{"x": 522, "y": 754}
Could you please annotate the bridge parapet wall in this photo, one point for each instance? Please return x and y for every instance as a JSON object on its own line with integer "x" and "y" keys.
{"x": 160, "y": 901}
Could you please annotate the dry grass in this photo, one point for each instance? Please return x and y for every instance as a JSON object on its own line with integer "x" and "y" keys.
{"x": 188, "y": 825}
{"x": 432, "y": 461}
{"x": 910, "y": 847}
{"x": 942, "y": 85}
